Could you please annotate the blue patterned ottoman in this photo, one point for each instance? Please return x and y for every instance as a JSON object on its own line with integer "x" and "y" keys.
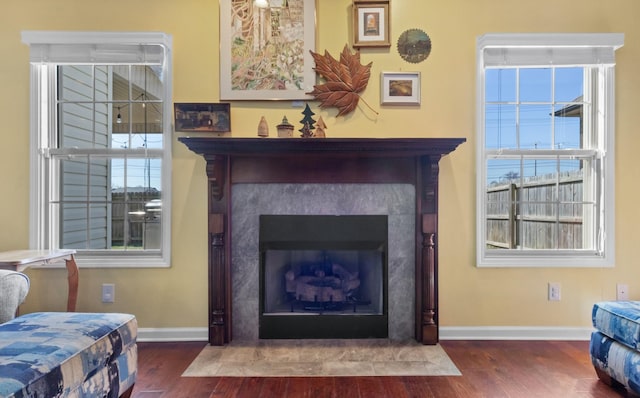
{"x": 67, "y": 354}
{"x": 615, "y": 345}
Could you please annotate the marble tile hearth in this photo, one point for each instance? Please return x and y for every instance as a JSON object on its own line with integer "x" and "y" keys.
{"x": 322, "y": 358}
{"x": 249, "y": 201}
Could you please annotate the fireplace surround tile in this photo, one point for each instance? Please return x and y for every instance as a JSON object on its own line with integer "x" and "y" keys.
{"x": 397, "y": 201}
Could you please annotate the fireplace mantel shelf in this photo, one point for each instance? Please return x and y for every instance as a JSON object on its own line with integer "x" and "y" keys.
{"x": 333, "y": 146}
{"x": 412, "y": 161}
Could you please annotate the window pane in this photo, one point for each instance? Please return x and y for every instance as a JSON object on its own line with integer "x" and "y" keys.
{"x": 121, "y": 83}
{"x": 146, "y": 128}
{"x": 539, "y": 168}
{"x": 99, "y": 178}
{"x": 136, "y": 173}
{"x": 537, "y": 229}
{"x": 500, "y": 225}
{"x": 120, "y": 120}
{"x": 143, "y": 173}
{"x": 83, "y": 125}
{"x": 571, "y": 197}
{"x": 535, "y": 85}
{"x": 101, "y": 125}
{"x": 569, "y": 84}
{"x": 500, "y": 85}
{"x": 74, "y": 235}
{"x": 98, "y": 224}
{"x": 84, "y": 203}
{"x": 500, "y": 127}
{"x": 535, "y": 127}
{"x": 147, "y": 80}
{"x": 78, "y": 83}
{"x": 503, "y": 181}
{"x": 568, "y": 126}
{"x": 134, "y": 217}
{"x": 502, "y": 171}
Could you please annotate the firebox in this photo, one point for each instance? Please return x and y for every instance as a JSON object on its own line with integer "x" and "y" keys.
{"x": 323, "y": 276}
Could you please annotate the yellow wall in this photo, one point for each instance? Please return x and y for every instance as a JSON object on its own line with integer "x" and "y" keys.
{"x": 176, "y": 297}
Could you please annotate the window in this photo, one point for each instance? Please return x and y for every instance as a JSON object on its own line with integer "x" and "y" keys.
{"x": 101, "y": 146}
{"x": 545, "y": 124}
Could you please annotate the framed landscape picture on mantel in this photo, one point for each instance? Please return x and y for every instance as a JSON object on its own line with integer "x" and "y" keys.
{"x": 202, "y": 117}
{"x": 264, "y": 49}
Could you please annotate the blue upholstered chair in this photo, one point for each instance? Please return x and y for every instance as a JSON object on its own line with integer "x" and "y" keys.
{"x": 14, "y": 287}
{"x": 615, "y": 344}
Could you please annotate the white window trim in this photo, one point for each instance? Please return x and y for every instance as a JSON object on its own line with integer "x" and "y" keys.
{"x": 602, "y": 47}
{"x": 59, "y": 47}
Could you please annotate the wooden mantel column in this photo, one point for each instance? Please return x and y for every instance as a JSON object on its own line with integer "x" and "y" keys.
{"x": 426, "y": 250}
{"x": 219, "y": 269}
{"x": 296, "y": 160}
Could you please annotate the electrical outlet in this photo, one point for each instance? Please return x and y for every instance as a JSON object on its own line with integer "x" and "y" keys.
{"x": 554, "y": 291}
{"x": 108, "y": 293}
{"x": 622, "y": 292}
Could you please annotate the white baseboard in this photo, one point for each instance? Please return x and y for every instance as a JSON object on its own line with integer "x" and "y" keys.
{"x": 156, "y": 335}
{"x": 446, "y": 333}
{"x": 514, "y": 333}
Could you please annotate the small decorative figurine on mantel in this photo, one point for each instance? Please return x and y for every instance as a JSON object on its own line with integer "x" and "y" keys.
{"x": 320, "y": 128}
{"x": 263, "y": 128}
{"x": 306, "y": 131}
{"x": 285, "y": 129}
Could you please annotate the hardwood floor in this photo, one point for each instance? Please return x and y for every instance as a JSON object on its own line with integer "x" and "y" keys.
{"x": 489, "y": 369}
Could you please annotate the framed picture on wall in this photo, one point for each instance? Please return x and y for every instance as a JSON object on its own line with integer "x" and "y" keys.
{"x": 264, "y": 49}
{"x": 400, "y": 88}
{"x": 371, "y": 23}
{"x": 202, "y": 117}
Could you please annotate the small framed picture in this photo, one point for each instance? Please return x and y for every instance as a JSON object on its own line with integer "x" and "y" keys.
{"x": 202, "y": 117}
{"x": 400, "y": 88}
{"x": 371, "y": 23}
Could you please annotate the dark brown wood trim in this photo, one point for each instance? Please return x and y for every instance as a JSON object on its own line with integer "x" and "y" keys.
{"x": 259, "y": 160}
{"x": 427, "y": 319}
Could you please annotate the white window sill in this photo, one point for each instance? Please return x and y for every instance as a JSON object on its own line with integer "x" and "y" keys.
{"x": 586, "y": 260}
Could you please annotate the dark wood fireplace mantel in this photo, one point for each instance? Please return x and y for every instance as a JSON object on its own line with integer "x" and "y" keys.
{"x": 297, "y": 160}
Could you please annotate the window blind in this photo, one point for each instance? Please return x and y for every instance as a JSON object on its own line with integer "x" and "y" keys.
{"x": 541, "y": 50}
{"x": 96, "y": 47}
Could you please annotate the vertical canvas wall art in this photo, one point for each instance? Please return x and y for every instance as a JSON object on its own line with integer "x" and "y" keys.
{"x": 264, "y": 49}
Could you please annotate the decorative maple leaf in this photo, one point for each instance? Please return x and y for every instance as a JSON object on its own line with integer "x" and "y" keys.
{"x": 344, "y": 79}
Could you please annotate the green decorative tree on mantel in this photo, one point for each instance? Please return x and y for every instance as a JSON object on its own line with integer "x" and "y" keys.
{"x": 308, "y": 123}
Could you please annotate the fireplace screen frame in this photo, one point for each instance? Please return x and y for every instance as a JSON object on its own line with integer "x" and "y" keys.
{"x": 324, "y": 233}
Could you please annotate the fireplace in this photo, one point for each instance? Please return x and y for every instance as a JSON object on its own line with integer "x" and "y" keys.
{"x": 232, "y": 163}
{"x": 251, "y": 202}
{"x": 323, "y": 276}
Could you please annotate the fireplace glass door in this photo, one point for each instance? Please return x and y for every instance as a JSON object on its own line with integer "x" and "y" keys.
{"x": 323, "y": 276}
